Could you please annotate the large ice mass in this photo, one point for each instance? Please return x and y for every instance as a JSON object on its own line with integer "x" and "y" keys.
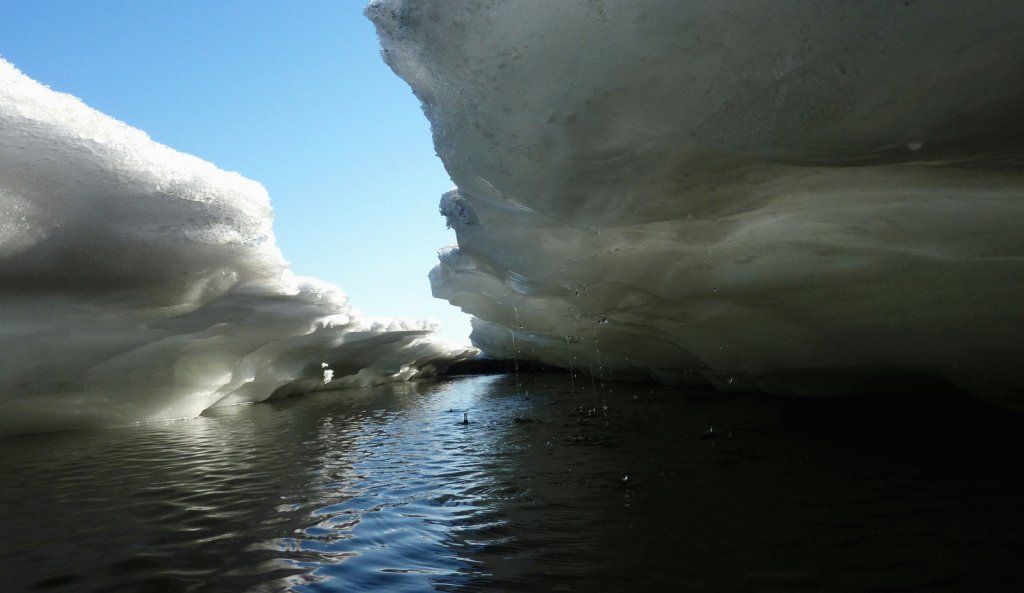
{"x": 138, "y": 283}
{"x": 798, "y": 197}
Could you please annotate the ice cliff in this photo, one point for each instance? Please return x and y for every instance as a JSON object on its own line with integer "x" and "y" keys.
{"x": 138, "y": 283}
{"x": 806, "y": 197}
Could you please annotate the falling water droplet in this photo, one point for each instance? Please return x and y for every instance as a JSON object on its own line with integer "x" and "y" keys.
{"x": 515, "y": 351}
{"x": 603, "y": 321}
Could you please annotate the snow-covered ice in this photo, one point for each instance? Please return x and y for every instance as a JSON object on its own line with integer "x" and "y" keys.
{"x": 138, "y": 283}
{"x": 794, "y": 197}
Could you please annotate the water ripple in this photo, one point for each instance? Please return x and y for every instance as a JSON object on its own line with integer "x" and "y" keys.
{"x": 387, "y": 489}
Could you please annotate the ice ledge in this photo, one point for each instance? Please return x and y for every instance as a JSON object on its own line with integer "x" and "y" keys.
{"x": 139, "y": 284}
{"x": 802, "y": 198}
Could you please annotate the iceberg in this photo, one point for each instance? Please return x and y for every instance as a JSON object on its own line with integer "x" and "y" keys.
{"x": 792, "y": 197}
{"x": 138, "y": 283}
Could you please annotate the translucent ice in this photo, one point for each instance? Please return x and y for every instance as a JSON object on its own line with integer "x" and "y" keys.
{"x": 796, "y": 197}
{"x": 138, "y": 283}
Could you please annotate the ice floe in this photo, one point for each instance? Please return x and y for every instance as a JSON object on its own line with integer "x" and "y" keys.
{"x": 794, "y": 197}
{"x": 138, "y": 283}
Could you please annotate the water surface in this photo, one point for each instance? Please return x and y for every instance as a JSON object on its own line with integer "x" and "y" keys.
{"x": 553, "y": 485}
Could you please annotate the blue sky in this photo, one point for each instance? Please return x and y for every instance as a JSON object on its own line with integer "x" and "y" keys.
{"x": 291, "y": 94}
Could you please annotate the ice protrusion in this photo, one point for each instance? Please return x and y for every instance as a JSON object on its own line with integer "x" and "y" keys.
{"x": 836, "y": 191}
{"x": 138, "y": 283}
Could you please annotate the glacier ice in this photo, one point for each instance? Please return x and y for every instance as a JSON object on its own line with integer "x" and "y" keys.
{"x": 138, "y": 283}
{"x": 794, "y": 197}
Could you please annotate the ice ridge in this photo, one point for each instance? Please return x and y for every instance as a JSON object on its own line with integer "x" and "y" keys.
{"x": 792, "y": 197}
{"x": 138, "y": 283}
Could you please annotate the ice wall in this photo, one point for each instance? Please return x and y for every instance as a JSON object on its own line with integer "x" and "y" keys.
{"x": 138, "y": 283}
{"x": 805, "y": 197}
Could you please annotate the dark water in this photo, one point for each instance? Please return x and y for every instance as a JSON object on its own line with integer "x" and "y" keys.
{"x": 386, "y": 490}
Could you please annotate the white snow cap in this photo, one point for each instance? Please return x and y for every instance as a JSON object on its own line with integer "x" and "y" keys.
{"x": 139, "y": 283}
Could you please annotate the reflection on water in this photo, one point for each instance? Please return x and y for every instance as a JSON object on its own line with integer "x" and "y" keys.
{"x": 630, "y": 488}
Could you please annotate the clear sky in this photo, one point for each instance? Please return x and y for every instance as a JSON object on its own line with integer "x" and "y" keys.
{"x": 292, "y": 94}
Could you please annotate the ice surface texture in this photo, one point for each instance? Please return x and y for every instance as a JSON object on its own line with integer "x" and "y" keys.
{"x": 806, "y": 197}
{"x": 138, "y": 283}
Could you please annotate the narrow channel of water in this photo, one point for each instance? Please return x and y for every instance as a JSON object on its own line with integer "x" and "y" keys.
{"x": 637, "y": 488}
